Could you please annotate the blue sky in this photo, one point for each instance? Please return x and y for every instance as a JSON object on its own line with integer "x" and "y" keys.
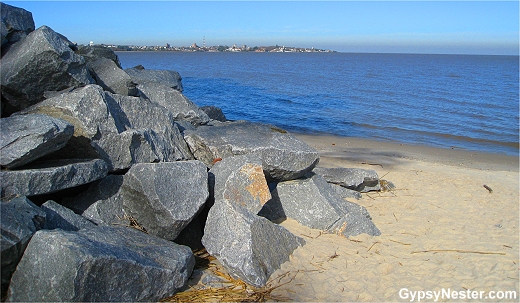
{"x": 467, "y": 27}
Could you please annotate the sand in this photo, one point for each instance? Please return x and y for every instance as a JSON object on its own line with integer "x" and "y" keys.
{"x": 441, "y": 229}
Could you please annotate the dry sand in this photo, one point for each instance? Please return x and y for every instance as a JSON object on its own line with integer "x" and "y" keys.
{"x": 441, "y": 229}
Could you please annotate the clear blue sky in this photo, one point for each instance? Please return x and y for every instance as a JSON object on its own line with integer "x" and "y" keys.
{"x": 471, "y": 27}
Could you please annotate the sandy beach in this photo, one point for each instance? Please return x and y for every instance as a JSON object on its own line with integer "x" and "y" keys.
{"x": 441, "y": 229}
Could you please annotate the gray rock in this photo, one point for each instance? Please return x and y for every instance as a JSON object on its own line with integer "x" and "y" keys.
{"x": 164, "y": 197}
{"x": 181, "y": 107}
{"x": 16, "y": 24}
{"x": 284, "y": 157}
{"x": 250, "y": 247}
{"x": 40, "y": 62}
{"x": 165, "y": 77}
{"x": 20, "y": 219}
{"x": 214, "y": 113}
{"x": 345, "y": 193}
{"x": 312, "y": 202}
{"x": 58, "y": 216}
{"x": 240, "y": 179}
{"x": 26, "y": 138}
{"x": 94, "y": 52}
{"x": 101, "y": 203}
{"x": 111, "y": 77}
{"x": 358, "y": 179}
{"x": 100, "y": 264}
{"x": 50, "y": 176}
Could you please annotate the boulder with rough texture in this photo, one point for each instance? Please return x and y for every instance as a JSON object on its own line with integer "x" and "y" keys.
{"x": 40, "y": 62}
{"x": 358, "y": 179}
{"x": 95, "y": 52}
{"x": 58, "y": 216}
{"x": 168, "y": 78}
{"x": 284, "y": 157}
{"x": 26, "y": 138}
{"x": 312, "y": 202}
{"x": 111, "y": 77}
{"x": 181, "y": 107}
{"x": 214, "y": 113}
{"x": 250, "y": 247}
{"x": 164, "y": 197}
{"x": 102, "y": 263}
{"x": 240, "y": 179}
{"x": 20, "y": 219}
{"x": 16, "y": 24}
{"x": 50, "y": 176}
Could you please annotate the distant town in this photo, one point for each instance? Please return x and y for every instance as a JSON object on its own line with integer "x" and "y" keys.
{"x": 219, "y": 48}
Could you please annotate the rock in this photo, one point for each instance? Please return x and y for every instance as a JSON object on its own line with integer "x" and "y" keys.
{"x": 240, "y": 179}
{"x": 17, "y": 23}
{"x": 164, "y": 197}
{"x": 50, "y": 176}
{"x": 100, "y": 264}
{"x": 94, "y": 52}
{"x": 313, "y": 203}
{"x": 345, "y": 193}
{"x": 26, "y": 138}
{"x": 181, "y": 107}
{"x": 191, "y": 235}
{"x": 40, "y": 62}
{"x": 284, "y": 157}
{"x": 20, "y": 219}
{"x": 168, "y": 78}
{"x": 112, "y": 78}
{"x": 250, "y": 247}
{"x": 58, "y": 216}
{"x": 358, "y": 179}
{"x": 214, "y": 113}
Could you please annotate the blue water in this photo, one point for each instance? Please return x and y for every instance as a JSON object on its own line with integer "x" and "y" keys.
{"x": 451, "y": 101}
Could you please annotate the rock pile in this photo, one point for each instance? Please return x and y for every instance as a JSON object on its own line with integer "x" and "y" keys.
{"x": 106, "y": 173}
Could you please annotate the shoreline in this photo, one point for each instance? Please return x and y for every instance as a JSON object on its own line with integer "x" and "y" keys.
{"x": 387, "y": 154}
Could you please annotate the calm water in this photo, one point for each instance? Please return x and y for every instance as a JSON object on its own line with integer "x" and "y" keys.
{"x": 450, "y": 101}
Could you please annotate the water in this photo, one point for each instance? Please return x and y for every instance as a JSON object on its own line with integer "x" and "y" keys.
{"x": 451, "y": 101}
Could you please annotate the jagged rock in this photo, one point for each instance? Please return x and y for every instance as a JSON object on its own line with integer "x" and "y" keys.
{"x": 168, "y": 78}
{"x": 58, "y": 216}
{"x": 181, "y": 107}
{"x": 164, "y": 197}
{"x": 214, "y": 113}
{"x": 284, "y": 157}
{"x": 312, "y": 202}
{"x": 50, "y": 176}
{"x": 345, "y": 193}
{"x": 111, "y": 77}
{"x": 20, "y": 219}
{"x": 102, "y": 263}
{"x": 358, "y": 179}
{"x": 16, "y": 24}
{"x": 26, "y": 138}
{"x": 240, "y": 179}
{"x": 95, "y": 52}
{"x": 101, "y": 203}
{"x": 121, "y": 130}
{"x": 250, "y": 247}
{"x": 40, "y": 62}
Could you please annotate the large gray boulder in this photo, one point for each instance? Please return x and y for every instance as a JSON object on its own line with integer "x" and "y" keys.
{"x": 181, "y": 107}
{"x": 168, "y": 78}
{"x": 59, "y": 216}
{"x": 50, "y": 176}
{"x": 214, "y": 113}
{"x": 164, "y": 197}
{"x": 314, "y": 203}
{"x": 26, "y": 138}
{"x": 103, "y": 263}
{"x": 16, "y": 24}
{"x": 284, "y": 157}
{"x": 250, "y": 247}
{"x": 20, "y": 219}
{"x": 40, "y": 62}
{"x": 95, "y": 52}
{"x": 358, "y": 179}
{"x": 111, "y": 77}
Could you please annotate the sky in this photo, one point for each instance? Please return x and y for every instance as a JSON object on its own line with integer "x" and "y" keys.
{"x": 435, "y": 27}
